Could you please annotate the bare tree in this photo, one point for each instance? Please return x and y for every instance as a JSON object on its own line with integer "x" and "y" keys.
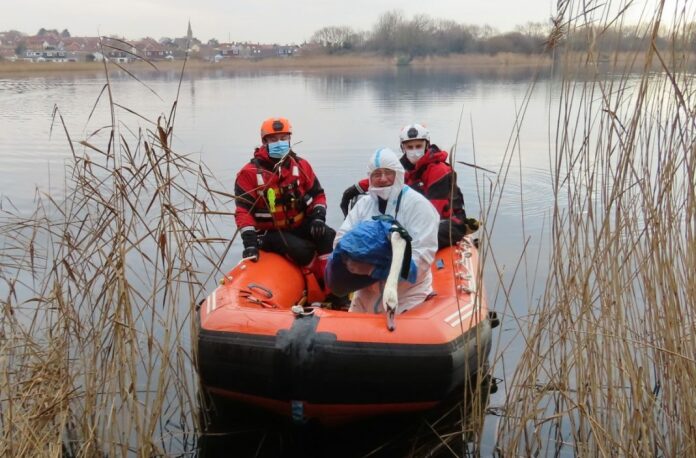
{"x": 333, "y": 37}
{"x": 384, "y": 34}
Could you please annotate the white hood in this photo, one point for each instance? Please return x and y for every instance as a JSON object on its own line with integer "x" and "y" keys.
{"x": 384, "y": 158}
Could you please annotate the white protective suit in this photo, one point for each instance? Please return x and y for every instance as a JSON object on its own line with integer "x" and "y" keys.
{"x": 417, "y": 215}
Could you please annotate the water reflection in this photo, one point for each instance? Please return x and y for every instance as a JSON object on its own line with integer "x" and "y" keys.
{"x": 442, "y": 432}
{"x": 416, "y": 87}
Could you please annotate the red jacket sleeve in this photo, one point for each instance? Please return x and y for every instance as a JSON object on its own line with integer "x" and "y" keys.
{"x": 245, "y": 197}
{"x": 437, "y": 185}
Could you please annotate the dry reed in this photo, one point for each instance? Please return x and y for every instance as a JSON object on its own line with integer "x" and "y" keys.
{"x": 100, "y": 288}
{"x": 609, "y": 367}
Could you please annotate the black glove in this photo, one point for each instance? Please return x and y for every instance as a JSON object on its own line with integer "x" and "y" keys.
{"x": 349, "y": 194}
{"x": 472, "y": 225}
{"x": 251, "y": 245}
{"x": 252, "y": 253}
{"x": 318, "y": 225}
{"x": 397, "y": 227}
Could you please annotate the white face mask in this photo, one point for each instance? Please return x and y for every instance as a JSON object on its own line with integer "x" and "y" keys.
{"x": 414, "y": 155}
{"x": 382, "y": 193}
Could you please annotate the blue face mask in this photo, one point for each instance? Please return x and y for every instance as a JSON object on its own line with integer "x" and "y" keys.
{"x": 278, "y": 149}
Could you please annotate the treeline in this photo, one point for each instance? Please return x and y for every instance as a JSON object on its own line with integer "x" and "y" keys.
{"x": 394, "y": 34}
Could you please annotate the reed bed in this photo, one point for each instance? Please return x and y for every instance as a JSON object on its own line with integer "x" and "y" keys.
{"x": 99, "y": 290}
{"x": 609, "y": 366}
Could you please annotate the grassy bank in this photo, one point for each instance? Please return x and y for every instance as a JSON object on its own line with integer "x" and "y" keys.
{"x": 498, "y": 64}
{"x": 320, "y": 62}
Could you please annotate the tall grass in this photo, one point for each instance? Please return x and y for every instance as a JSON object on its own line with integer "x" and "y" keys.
{"x": 609, "y": 366}
{"x": 99, "y": 290}
{"x": 99, "y": 287}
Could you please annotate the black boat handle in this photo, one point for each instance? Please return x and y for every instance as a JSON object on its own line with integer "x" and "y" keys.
{"x": 263, "y": 289}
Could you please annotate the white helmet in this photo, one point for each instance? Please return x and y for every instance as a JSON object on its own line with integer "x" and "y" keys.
{"x": 414, "y": 132}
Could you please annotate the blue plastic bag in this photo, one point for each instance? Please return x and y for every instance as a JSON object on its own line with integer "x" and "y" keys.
{"x": 369, "y": 242}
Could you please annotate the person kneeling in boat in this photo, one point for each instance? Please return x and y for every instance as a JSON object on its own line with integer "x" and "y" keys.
{"x": 354, "y": 267}
{"x": 280, "y": 204}
{"x": 428, "y": 172}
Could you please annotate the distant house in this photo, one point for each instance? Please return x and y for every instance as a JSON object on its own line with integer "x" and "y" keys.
{"x": 150, "y": 49}
{"x": 263, "y": 51}
{"x": 7, "y": 53}
{"x": 46, "y": 48}
{"x": 81, "y": 49}
{"x": 52, "y": 48}
{"x": 286, "y": 51}
{"x": 229, "y": 50}
{"x": 11, "y": 38}
{"x": 205, "y": 52}
{"x": 253, "y": 51}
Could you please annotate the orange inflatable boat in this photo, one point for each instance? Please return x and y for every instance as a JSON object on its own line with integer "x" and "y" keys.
{"x": 262, "y": 343}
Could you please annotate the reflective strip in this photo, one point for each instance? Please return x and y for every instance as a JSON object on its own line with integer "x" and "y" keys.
{"x": 212, "y": 302}
{"x": 467, "y": 309}
{"x": 260, "y": 183}
{"x": 278, "y": 223}
{"x": 456, "y": 318}
{"x": 295, "y": 171}
{"x": 309, "y": 201}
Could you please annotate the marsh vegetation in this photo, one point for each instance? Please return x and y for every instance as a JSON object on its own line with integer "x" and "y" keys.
{"x": 99, "y": 286}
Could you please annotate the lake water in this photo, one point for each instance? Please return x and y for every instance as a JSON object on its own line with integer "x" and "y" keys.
{"x": 339, "y": 120}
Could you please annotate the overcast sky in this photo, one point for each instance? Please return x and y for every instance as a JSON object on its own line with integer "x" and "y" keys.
{"x": 276, "y": 21}
{"x": 250, "y": 20}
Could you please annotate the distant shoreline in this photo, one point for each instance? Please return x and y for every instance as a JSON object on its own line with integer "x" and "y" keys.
{"x": 322, "y": 62}
{"x": 500, "y": 64}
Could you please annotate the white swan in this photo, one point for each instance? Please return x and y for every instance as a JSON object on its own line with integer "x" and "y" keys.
{"x": 390, "y": 297}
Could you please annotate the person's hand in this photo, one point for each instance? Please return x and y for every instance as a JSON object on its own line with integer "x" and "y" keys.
{"x": 349, "y": 194}
{"x": 251, "y": 244}
{"x": 397, "y": 227}
{"x": 317, "y": 229}
{"x": 359, "y": 268}
{"x": 472, "y": 225}
{"x": 251, "y": 253}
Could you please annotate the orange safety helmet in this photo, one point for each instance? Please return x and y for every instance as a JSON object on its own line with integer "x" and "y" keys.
{"x": 275, "y": 126}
